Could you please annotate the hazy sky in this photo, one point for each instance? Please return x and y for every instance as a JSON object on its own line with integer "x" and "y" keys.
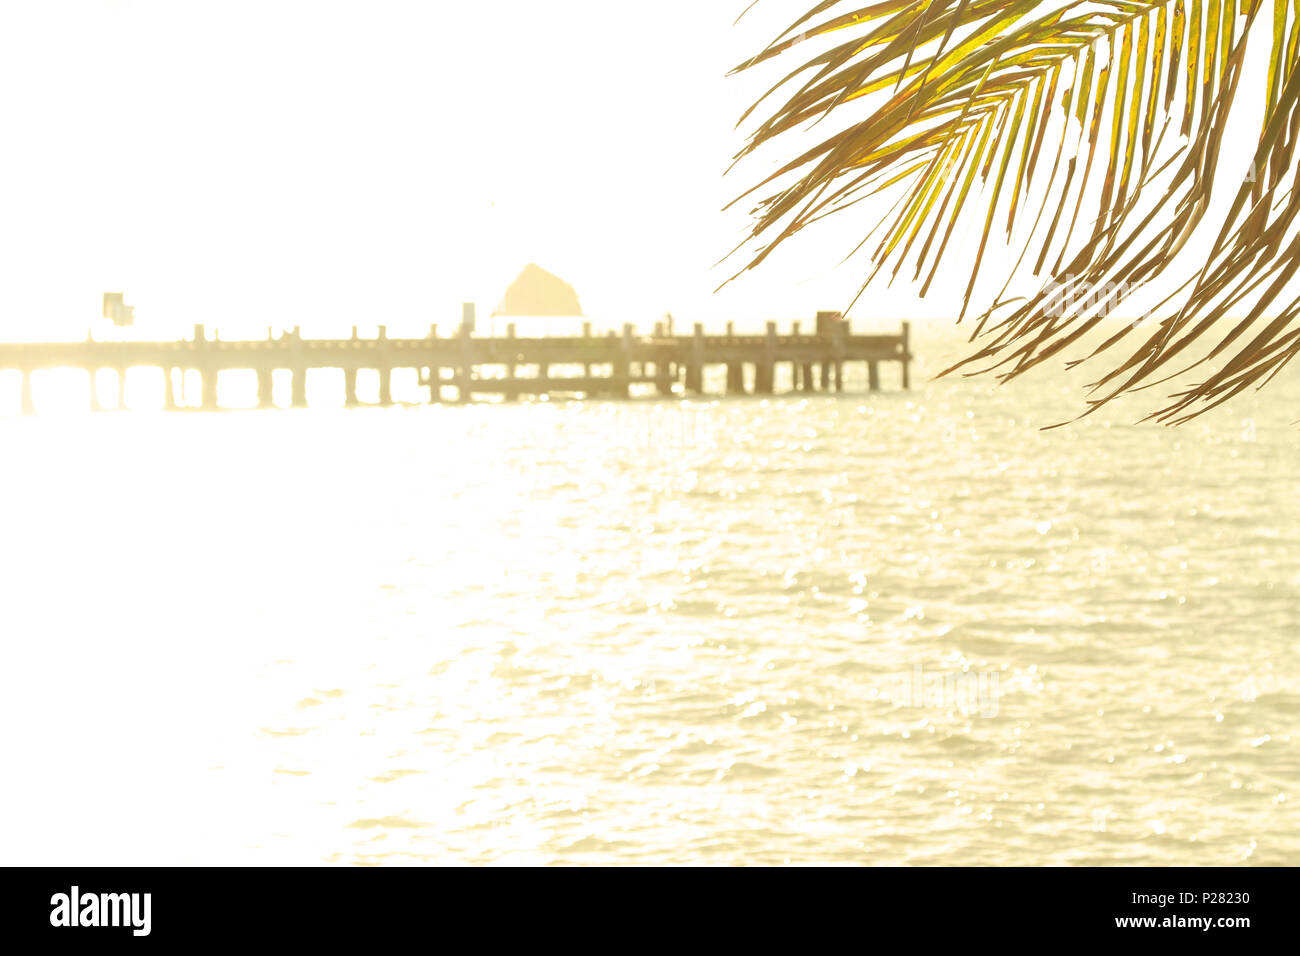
{"x": 334, "y": 163}
{"x": 329, "y": 163}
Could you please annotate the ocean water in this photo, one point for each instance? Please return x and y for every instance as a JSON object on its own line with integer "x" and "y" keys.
{"x": 892, "y": 628}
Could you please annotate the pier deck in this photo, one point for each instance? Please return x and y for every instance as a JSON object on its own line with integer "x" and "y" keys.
{"x": 606, "y": 365}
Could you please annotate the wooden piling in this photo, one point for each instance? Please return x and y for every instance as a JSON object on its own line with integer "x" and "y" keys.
{"x": 735, "y": 378}
{"x": 765, "y": 368}
{"x": 385, "y": 369}
{"x": 209, "y": 390}
{"x": 907, "y": 354}
{"x": 663, "y": 377}
{"x": 265, "y": 390}
{"x": 695, "y": 366}
{"x": 465, "y": 369}
{"x": 169, "y": 390}
{"x": 298, "y": 369}
{"x": 622, "y": 372}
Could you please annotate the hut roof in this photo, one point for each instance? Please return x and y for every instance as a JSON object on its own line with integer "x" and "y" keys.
{"x": 537, "y": 292}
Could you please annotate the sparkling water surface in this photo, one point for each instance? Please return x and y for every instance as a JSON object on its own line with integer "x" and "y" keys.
{"x": 870, "y": 628}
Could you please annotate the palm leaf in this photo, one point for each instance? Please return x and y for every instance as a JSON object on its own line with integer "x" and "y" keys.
{"x": 964, "y": 104}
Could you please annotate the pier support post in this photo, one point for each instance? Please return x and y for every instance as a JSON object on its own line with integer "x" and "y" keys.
{"x": 385, "y": 370}
{"x": 511, "y": 393}
{"x": 873, "y": 376}
{"x": 623, "y": 363}
{"x": 433, "y": 374}
{"x": 209, "y": 376}
{"x": 26, "y": 405}
{"x": 795, "y": 367}
{"x": 765, "y": 371}
{"x": 265, "y": 397}
{"x": 826, "y": 322}
{"x": 695, "y": 367}
{"x": 169, "y": 389}
{"x": 806, "y": 377}
{"x": 663, "y": 377}
{"x": 839, "y": 335}
{"x": 736, "y": 370}
{"x": 907, "y": 355}
{"x": 298, "y": 369}
{"x": 466, "y": 367}
{"x": 92, "y": 376}
{"x": 200, "y": 345}
{"x": 350, "y": 388}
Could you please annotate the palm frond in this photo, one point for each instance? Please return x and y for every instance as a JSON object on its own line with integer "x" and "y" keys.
{"x": 1100, "y": 121}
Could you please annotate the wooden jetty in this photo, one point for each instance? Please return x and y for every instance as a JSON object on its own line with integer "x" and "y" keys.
{"x": 609, "y": 365}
